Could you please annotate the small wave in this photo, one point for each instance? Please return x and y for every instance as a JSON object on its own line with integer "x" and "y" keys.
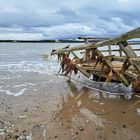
{"x": 9, "y": 77}
{"x": 20, "y": 92}
{"x": 43, "y": 67}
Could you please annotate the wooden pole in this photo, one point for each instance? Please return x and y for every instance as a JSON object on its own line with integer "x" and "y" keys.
{"x": 130, "y": 54}
{"x": 109, "y": 49}
{"x": 126, "y": 36}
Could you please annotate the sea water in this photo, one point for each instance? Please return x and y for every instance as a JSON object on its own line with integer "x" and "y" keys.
{"x": 21, "y": 62}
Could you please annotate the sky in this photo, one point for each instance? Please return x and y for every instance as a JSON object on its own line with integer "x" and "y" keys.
{"x": 61, "y": 19}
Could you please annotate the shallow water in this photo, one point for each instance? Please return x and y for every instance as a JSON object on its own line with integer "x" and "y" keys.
{"x": 17, "y": 59}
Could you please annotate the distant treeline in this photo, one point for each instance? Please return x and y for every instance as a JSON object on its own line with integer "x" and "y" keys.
{"x": 43, "y": 41}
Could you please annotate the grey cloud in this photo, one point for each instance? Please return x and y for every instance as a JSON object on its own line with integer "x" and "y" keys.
{"x": 66, "y": 19}
{"x": 67, "y": 13}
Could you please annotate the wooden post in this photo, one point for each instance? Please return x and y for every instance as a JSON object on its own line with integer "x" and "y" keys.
{"x": 120, "y": 51}
{"x": 109, "y": 49}
{"x": 108, "y": 63}
{"x": 130, "y": 54}
{"x": 87, "y": 55}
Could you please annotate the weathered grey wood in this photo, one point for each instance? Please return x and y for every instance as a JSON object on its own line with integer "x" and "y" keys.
{"x": 74, "y": 54}
{"x": 117, "y": 50}
{"x": 109, "y": 49}
{"x": 108, "y": 63}
{"x": 87, "y": 54}
{"x": 95, "y": 39}
{"x": 130, "y": 54}
{"x": 92, "y": 37}
{"x": 130, "y": 76}
{"x": 126, "y": 36}
{"x": 83, "y": 71}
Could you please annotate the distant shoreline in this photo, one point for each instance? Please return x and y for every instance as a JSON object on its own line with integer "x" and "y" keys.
{"x": 41, "y": 41}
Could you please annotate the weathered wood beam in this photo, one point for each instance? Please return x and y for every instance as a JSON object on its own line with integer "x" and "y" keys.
{"x": 108, "y": 63}
{"x": 117, "y": 50}
{"x": 131, "y": 76}
{"x": 97, "y": 39}
{"x": 74, "y": 54}
{"x": 92, "y": 37}
{"x": 130, "y": 54}
{"x": 109, "y": 50}
{"x": 126, "y": 36}
{"x": 83, "y": 71}
{"x": 133, "y": 42}
{"x": 122, "y": 59}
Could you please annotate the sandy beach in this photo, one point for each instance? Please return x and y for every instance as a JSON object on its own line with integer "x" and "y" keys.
{"x": 66, "y": 111}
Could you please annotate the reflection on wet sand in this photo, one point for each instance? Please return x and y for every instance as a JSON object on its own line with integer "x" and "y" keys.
{"x": 52, "y": 108}
{"x": 99, "y": 115}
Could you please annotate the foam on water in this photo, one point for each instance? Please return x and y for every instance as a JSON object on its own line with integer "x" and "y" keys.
{"x": 18, "y": 89}
{"x": 43, "y": 67}
{"x": 9, "y": 77}
{"x": 20, "y": 92}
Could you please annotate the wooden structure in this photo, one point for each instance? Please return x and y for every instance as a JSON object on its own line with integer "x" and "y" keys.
{"x": 100, "y": 59}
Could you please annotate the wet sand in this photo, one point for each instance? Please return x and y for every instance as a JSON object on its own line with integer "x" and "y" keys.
{"x": 56, "y": 109}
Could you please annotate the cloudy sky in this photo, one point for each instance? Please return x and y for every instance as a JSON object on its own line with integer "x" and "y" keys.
{"x": 52, "y": 19}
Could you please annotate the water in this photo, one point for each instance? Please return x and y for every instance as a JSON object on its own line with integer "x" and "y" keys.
{"x": 20, "y": 60}
{"x": 21, "y": 57}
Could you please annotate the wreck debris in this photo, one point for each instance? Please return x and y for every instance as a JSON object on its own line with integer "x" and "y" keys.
{"x": 123, "y": 68}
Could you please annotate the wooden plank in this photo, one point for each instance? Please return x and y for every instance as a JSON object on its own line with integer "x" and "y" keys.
{"x": 92, "y": 37}
{"x": 131, "y": 76}
{"x": 83, "y": 71}
{"x": 110, "y": 66}
{"x": 96, "y": 39}
{"x": 74, "y": 54}
{"x": 126, "y": 36}
{"x": 117, "y": 50}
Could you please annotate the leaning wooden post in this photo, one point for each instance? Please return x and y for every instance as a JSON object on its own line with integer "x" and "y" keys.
{"x": 109, "y": 49}
{"x": 120, "y": 51}
{"x": 108, "y": 63}
{"x": 87, "y": 54}
{"x": 130, "y": 54}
